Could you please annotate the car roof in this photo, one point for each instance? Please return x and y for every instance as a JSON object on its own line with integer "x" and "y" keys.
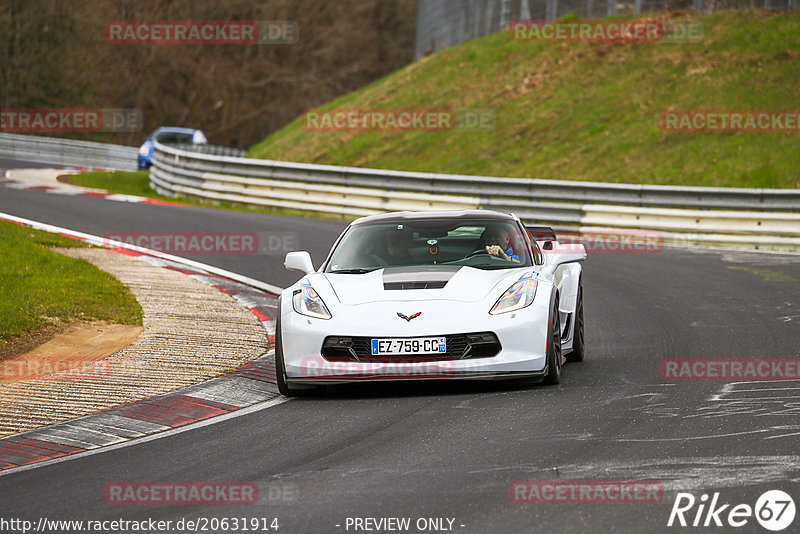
{"x": 175, "y": 129}
{"x": 455, "y": 215}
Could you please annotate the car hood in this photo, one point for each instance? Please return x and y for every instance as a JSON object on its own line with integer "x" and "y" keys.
{"x": 435, "y": 282}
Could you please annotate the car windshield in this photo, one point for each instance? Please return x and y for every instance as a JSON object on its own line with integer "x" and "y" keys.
{"x": 173, "y": 137}
{"x": 479, "y": 243}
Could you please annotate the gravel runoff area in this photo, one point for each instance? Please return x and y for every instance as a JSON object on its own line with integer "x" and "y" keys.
{"x": 192, "y": 332}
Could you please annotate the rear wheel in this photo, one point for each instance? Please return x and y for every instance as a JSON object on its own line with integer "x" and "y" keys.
{"x": 553, "y": 375}
{"x": 578, "y": 348}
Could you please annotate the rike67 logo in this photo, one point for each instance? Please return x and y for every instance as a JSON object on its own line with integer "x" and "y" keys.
{"x": 774, "y": 510}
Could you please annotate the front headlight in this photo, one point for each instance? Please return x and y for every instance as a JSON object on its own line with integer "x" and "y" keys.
{"x": 306, "y": 301}
{"x": 144, "y": 150}
{"x": 518, "y": 296}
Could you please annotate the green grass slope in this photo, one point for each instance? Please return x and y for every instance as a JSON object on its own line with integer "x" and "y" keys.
{"x": 584, "y": 111}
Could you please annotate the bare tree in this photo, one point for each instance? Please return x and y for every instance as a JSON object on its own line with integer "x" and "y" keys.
{"x": 54, "y": 55}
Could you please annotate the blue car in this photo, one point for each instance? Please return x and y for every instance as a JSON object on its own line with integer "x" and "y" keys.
{"x": 168, "y": 135}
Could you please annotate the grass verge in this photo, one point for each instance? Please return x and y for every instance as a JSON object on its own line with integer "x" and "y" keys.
{"x": 122, "y": 183}
{"x": 41, "y": 288}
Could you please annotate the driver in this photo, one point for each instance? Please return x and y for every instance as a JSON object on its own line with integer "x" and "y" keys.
{"x": 497, "y": 243}
{"x": 398, "y": 243}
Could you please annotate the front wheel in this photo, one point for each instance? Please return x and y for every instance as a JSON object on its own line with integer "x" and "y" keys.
{"x": 280, "y": 372}
{"x": 553, "y": 375}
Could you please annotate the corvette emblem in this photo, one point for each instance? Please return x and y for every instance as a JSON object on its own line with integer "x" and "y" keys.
{"x": 407, "y": 318}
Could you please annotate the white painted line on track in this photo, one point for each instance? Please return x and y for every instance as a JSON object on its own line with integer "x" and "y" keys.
{"x": 105, "y": 242}
{"x": 137, "y": 441}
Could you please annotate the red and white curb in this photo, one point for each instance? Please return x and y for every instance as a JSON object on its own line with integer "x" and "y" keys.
{"x": 249, "y": 388}
{"x": 76, "y": 191}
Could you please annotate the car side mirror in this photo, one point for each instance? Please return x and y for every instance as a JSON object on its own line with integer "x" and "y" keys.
{"x": 299, "y": 261}
{"x": 566, "y": 253}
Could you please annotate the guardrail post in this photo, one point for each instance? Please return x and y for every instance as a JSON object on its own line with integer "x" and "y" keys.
{"x": 551, "y": 10}
{"x": 505, "y": 13}
{"x": 489, "y": 17}
{"x": 525, "y": 10}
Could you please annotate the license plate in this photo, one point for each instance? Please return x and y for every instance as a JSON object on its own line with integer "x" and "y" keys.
{"x": 405, "y": 345}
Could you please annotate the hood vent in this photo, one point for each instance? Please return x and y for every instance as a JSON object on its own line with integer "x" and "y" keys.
{"x": 399, "y": 286}
{"x": 418, "y": 277}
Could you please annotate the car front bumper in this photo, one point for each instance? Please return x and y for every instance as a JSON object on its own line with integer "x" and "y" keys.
{"x": 522, "y": 336}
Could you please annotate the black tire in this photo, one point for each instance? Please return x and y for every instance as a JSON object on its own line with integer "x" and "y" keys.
{"x": 553, "y": 375}
{"x": 280, "y": 372}
{"x": 578, "y": 346}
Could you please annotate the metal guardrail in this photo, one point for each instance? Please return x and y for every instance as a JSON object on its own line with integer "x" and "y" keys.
{"x": 745, "y": 218}
{"x": 497, "y": 193}
{"x": 214, "y": 150}
{"x": 67, "y": 152}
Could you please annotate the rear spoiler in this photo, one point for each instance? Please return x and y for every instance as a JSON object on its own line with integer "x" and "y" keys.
{"x": 541, "y": 233}
{"x": 569, "y": 252}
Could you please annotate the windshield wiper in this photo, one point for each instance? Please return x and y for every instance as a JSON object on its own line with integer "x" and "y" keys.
{"x": 352, "y": 271}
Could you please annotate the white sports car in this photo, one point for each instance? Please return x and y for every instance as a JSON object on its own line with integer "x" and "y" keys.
{"x": 432, "y": 295}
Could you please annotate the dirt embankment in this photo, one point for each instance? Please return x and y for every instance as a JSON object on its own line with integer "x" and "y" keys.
{"x": 73, "y": 348}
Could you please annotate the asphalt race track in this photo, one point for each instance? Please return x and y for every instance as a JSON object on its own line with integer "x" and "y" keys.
{"x": 450, "y": 450}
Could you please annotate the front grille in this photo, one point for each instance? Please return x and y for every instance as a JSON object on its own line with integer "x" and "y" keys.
{"x": 395, "y": 286}
{"x": 459, "y": 347}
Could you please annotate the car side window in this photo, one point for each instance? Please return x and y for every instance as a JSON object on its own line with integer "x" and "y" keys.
{"x": 517, "y": 243}
{"x": 537, "y": 253}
